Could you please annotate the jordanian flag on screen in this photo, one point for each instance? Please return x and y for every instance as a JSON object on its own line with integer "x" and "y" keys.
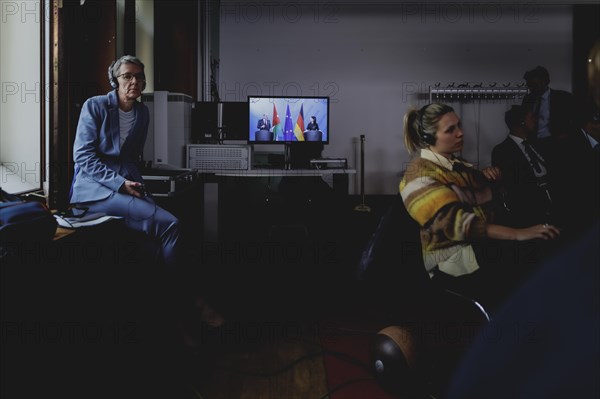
{"x": 276, "y": 125}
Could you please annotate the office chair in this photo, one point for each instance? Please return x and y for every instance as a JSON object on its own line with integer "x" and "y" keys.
{"x": 418, "y": 352}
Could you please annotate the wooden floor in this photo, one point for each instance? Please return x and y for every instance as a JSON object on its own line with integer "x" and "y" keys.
{"x": 48, "y": 296}
{"x": 266, "y": 370}
{"x": 247, "y": 362}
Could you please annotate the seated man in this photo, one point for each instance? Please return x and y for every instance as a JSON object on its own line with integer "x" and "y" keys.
{"x": 525, "y": 191}
{"x": 580, "y": 156}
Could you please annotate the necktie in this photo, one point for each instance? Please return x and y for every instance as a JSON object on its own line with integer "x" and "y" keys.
{"x": 537, "y": 106}
{"x": 536, "y": 111}
{"x": 533, "y": 158}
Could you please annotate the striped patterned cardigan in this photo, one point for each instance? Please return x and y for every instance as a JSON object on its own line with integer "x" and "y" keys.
{"x": 452, "y": 207}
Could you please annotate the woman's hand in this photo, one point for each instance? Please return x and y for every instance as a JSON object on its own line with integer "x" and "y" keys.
{"x": 132, "y": 188}
{"x": 540, "y": 231}
{"x": 492, "y": 173}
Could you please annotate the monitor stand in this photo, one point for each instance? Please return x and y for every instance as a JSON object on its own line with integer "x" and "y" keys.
{"x": 298, "y": 155}
{"x": 287, "y": 156}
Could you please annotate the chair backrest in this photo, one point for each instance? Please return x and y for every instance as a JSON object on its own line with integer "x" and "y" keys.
{"x": 392, "y": 261}
{"x": 439, "y": 324}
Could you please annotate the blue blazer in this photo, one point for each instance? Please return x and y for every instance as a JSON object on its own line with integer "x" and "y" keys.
{"x": 101, "y": 166}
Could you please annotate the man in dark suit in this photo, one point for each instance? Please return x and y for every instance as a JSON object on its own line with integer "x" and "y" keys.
{"x": 579, "y": 179}
{"x": 555, "y": 109}
{"x": 525, "y": 191}
{"x": 566, "y": 322}
{"x": 264, "y": 123}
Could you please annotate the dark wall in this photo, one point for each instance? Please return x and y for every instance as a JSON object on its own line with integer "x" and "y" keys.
{"x": 586, "y": 30}
{"x": 86, "y": 40}
{"x": 176, "y": 46}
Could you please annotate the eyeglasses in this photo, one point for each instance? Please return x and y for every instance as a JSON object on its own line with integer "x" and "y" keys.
{"x": 140, "y": 77}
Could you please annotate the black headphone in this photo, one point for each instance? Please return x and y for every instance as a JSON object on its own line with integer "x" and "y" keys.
{"x": 111, "y": 79}
{"x": 427, "y": 138}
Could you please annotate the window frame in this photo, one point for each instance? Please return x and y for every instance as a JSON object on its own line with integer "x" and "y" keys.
{"x": 23, "y": 187}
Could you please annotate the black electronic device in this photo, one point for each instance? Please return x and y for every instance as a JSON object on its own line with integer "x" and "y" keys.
{"x": 167, "y": 182}
{"x": 142, "y": 190}
{"x": 233, "y": 120}
{"x": 214, "y": 122}
{"x": 205, "y": 122}
{"x": 329, "y": 163}
{"x": 287, "y": 120}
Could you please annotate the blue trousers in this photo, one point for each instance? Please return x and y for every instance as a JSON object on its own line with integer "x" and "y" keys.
{"x": 142, "y": 214}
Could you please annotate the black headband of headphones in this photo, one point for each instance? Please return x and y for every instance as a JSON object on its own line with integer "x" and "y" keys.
{"x": 421, "y": 112}
{"x": 426, "y": 138}
{"x": 111, "y": 78}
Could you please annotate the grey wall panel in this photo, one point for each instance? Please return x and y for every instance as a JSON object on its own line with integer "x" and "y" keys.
{"x": 375, "y": 61}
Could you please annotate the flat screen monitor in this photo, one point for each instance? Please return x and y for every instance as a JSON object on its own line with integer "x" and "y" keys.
{"x": 234, "y": 120}
{"x": 288, "y": 119}
{"x": 213, "y": 121}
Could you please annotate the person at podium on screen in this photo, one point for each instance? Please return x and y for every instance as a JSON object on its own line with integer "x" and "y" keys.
{"x": 264, "y": 129}
{"x": 312, "y": 132}
{"x": 264, "y": 123}
{"x": 312, "y": 125}
{"x": 109, "y": 141}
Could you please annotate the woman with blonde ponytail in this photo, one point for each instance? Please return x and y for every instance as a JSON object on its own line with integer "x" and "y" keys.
{"x": 449, "y": 198}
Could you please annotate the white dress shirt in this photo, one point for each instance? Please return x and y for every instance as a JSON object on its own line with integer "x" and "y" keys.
{"x": 543, "y": 112}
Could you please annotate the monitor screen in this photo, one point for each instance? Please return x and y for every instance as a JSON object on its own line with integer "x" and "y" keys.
{"x": 288, "y": 119}
{"x": 234, "y": 120}
{"x": 212, "y": 121}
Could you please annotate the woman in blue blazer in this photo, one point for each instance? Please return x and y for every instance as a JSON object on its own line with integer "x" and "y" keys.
{"x": 110, "y": 138}
{"x": 109, "y": 141}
